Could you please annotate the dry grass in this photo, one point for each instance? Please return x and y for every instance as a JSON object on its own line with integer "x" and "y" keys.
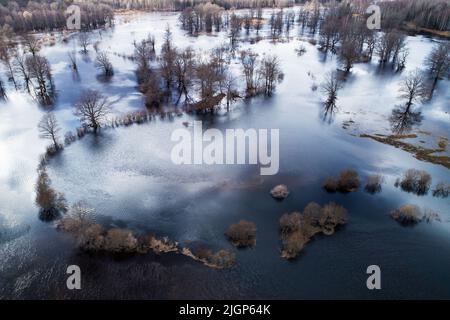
{"x": 420, "y": 153}
{"x": 242, "y": 234}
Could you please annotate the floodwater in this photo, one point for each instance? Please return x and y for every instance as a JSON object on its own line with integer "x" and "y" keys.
{"x": 126, "y": 174}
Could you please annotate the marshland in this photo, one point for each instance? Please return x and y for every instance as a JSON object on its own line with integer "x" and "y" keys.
{"x": 86, "y": 176}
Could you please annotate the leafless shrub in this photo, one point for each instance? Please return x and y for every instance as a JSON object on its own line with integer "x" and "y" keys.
{"x": 280, "y": 192}
{"x": 297, "y": 229}
{"x": 120, "y": 240}
{"x": 416, "y": 181}
{"x": 408, "y": 214}
{"x": 331, "y": 185}
{"x": 373, "y": 183}
{"x": 242, "y": 234}
{"x": 442, "y": 190}
{"x": 348, "y": 182}
{"x": 222, "y": 259}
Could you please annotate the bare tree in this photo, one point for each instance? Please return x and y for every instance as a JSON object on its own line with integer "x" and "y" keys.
{"x": 40, "y": 72}
{"x": 270, "y": 73}
{"x": 348, "y": 55}
{"x": 92, "y": 109}
{"x": 231, "y": 92}
{"x": 103, "y": 63}
{"x": 438, "y": 63}
{"x": 31, "y": 44}
{"x": 73, "y": 60}
{"x": 249, "y": 64}
{"x": 6, "y": 58}
{"x": 330, "y": 87}
{"x": 413, "y": 88}
{"x": 235, "y": 29}
{"x": 21, "y": 66}
{"x": 49, "y": 129}
{"x": 168, "y": 56}
{"x": 208, "y": 78}
{"x": 144, "y": 51}
{"x": 152, "y": 90}
{"x": 84, "y": 41}
{"x": 184, "y": 69}
{"x": 2, "y": 91}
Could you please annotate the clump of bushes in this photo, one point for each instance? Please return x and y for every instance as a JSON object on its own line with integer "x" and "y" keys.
{"x": 51, "y": 203}
{"x": 348, "y": 182}
{"x": 298, "y": 229}
{"x": 415, "y": 181}
{"x": 373, "y": 183}
{"x": 442, "y": 190}
{"x": 91, "y": 236}
{"x": 279, "y": 192}
{"x": 242, "y": 234}
{"x": 410, "y": 215}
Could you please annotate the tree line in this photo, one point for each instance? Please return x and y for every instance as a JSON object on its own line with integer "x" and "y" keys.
{"x": 51, "y": 15}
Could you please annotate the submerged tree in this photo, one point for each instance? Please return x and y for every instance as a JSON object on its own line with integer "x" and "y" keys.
{"x": 330, "y": 87}
{"x": 413, "y": 88}
{"x": 20, "y": 63}
{"x": 168, "y": 56}
{"x": 249, "y": 64}
{"x": 40, "y": 72}
{"x": 103, "y": 63}
{"x": 2, "y": 91}
{"x": 403, "y": 119}
{"x": 84, "y": 41}
{"x": 184, "y": 70}
{"x": 31, "y": 44}
{"x": 49, "y": 129}
{"x": 144, "y": 52}
{"x": 438, "y": 63}
{"x": 92, "y": 109}
{"x": 6, "y": 58}
{"x": 270, "y": 73}
{"x": 348, "y": 55}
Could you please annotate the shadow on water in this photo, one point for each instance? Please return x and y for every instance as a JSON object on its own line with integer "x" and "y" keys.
{"x": 403, "y": 120}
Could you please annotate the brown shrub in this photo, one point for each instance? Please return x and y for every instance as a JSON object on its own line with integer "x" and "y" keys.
{"x": 373, "y": 183}
{"x": 50, "y": 202}
{"x": 348, "y": 181}
{"x": 279, "y": 192}
{"x": 408, "y": 214}
{"x": 222, "y": 259}
{"x": 290, "y": 223}
{"x": 297, "y": 229}
{"x": 119, "y": 240}
{"x": 293, "y": 244}
{"x": 242, "y": 234}
{"x": 332, "y": 216}
{"x": 416, "y": 181}
{"x": 442, "y": 190}
{"x": 331, "y": 185}
{"x": 312, "y": 213}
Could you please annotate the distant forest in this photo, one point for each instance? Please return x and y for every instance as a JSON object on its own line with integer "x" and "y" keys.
{"x": 38, "y": 15}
